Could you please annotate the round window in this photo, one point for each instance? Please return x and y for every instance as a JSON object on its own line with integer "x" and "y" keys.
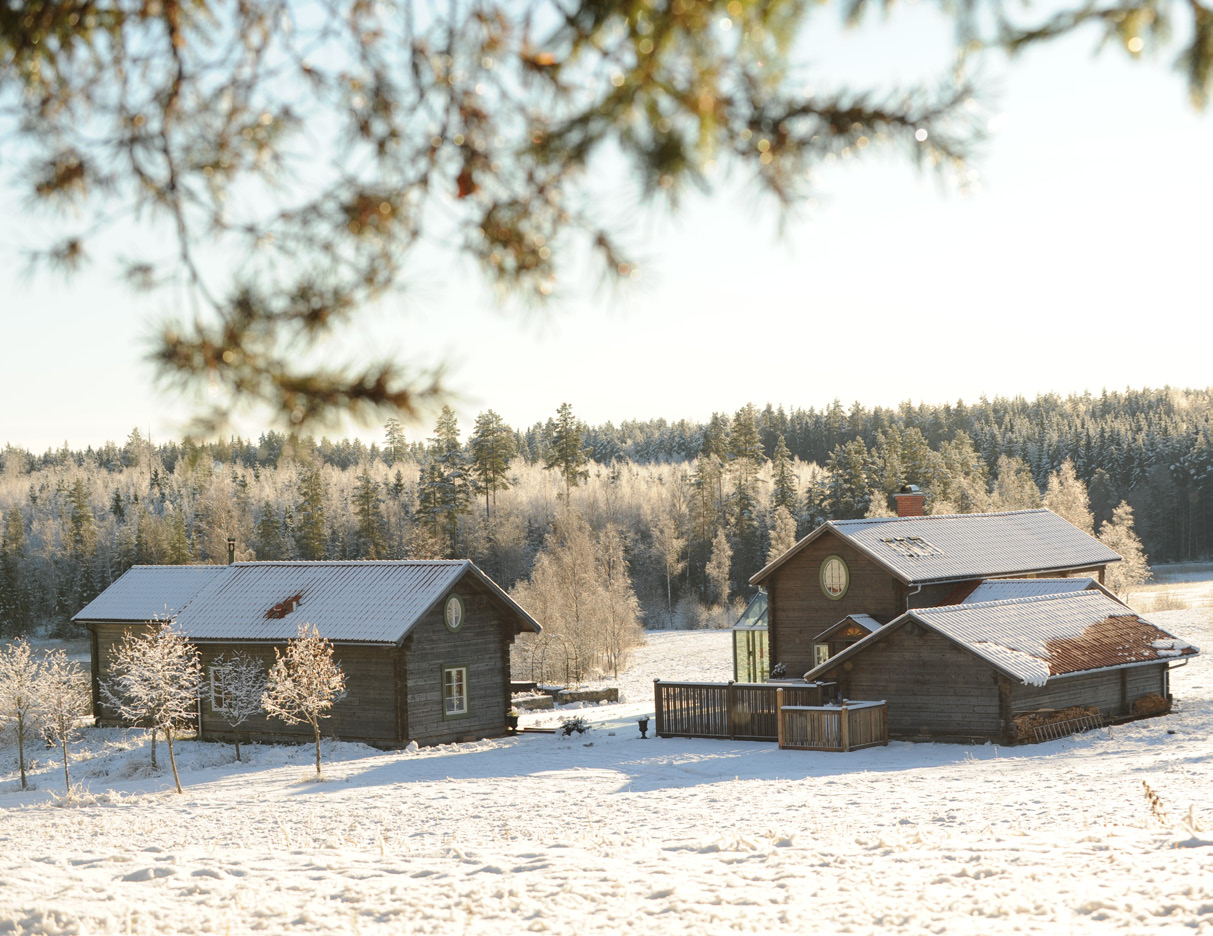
{"x": 835, "y": 577}
{"x": 453, "y": 614}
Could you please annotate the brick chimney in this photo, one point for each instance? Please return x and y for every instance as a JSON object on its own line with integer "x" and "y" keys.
{"x": 910, "y": 501}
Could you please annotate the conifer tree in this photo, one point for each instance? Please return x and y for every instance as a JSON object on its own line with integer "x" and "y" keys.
{"x": 369, "y": 516}
{"x": 14, "y": 617}
{"x": 783, "y": 478}
{"x": 566, "y": 453}
{"x": 395, "y": 447}
{"x": 311, "y": 536}
{"x": 269, "y": 543}
{"x": 444, "y": 492}
{"x": 849, "y": 489}
{"x": 492, "y": 446}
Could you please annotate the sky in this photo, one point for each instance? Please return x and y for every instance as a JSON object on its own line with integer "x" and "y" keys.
{"x": 1078, "y": 264}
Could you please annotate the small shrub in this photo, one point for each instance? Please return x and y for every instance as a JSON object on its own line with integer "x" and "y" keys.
{"x": 1167, "y": 600}
{"x": 574, "y": 723}
{"x": 1157, "y": 809}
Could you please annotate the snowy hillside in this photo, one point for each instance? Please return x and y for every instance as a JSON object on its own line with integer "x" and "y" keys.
{"x": 609, "y": 833}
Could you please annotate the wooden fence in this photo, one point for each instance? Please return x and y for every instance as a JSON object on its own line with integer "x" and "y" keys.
{"x": 790, "y": 714}
{"x": 736, "y": 711}
{"x": 848, "y": 727}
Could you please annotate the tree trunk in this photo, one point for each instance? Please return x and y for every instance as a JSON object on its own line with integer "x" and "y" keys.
{"x": 153, "y": 747}
{"x": 21, "y": 749}
{"x": 168, "y": 737}
{"x": 316, "y": 729}
{"x": 236, "y": 738}
{"x": 67, "y": 781}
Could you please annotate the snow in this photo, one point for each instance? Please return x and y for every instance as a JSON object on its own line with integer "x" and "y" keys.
{"x": 608, "y": 833}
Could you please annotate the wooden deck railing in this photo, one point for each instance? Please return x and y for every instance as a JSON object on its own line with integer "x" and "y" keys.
{"x": 846, "y": 727}
{"x": 736, "y": 711}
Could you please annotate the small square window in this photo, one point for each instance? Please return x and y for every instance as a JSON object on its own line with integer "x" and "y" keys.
{"x": 821, "y": 653}
{"x": 454, "y": 691}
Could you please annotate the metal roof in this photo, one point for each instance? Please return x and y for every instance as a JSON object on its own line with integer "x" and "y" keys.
{"x": 144, "y": 593}
{"x": 361, "y": 602}
{"x": 866, "y": 621}
{"x": 921, "y": 550}
{"x": 1009, "y": 589}
{"x": 1035, "y": 639}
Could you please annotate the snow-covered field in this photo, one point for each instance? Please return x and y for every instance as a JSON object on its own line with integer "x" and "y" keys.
{"x": 609, "y": 833}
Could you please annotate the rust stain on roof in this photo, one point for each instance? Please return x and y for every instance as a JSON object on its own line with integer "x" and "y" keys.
{"x": 284, "y": 607}
{"x": 1114, "y": 641}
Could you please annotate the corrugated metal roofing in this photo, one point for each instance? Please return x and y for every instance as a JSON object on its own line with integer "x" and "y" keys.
{"x": 365, "y": 602}
{"x": 1033, "y": 639}
{"x": 144, "y": 593}
{"x": 919, "y": 550}
{"x": 866, "y": 621}
{"x": 1009, "y": 589}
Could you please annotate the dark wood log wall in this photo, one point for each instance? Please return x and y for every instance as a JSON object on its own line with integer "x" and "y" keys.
{"x": 482, "y": 645}
{"x": 367, "y": 713}
{"x": 935, "y": 690}
{"x": 1112, "y": 690}
{"x": 799, "y": 610}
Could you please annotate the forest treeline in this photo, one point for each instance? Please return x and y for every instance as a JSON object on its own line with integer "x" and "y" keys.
{"x": 687, "y": 510}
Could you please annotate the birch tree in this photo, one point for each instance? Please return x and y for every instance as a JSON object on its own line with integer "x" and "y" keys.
{"x": 238, "y": 682}
{"x": 64, "y": 695}
{"x": 304, "y": 683}
{"x": 155, "y": 681}
{"x": 19, "y": 672}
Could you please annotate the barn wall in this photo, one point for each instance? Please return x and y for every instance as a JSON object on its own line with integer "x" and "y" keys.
{"x": 934, "y": 689}
{"x": 798, "y": 609}
{"x": 367, "y": 713}
{"x": 482, "y": 645}
{"x": 1113, "y": 691}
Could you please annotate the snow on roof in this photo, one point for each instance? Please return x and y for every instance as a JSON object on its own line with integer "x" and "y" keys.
{"x": 919, "y": 550}
{"x": 1052, "y": 635}
{"x": 365, "y": 602}
{"x": 1009, "y": 589}
{"x": 144, "y": 593}
{"x": 1034, "y": 639}
{"x": 866, "y": 621}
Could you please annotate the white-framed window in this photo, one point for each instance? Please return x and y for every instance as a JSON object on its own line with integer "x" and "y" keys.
{"x": 454, "y": 691}
{"x": 821, "y": 653}
{"x": 218, "y": 677}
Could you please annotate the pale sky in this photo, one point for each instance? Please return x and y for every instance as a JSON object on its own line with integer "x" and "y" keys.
{"x": 1081, "y": 264}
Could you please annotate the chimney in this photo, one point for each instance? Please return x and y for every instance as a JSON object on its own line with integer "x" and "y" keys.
{"x": 231, "y": 550}
{"x": 910, "y": 501}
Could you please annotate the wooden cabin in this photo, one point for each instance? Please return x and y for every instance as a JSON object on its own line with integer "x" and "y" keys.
{"x": 424, "y": 644}
{"x": 974, "y": 671}
{"x": 886, "y": 566}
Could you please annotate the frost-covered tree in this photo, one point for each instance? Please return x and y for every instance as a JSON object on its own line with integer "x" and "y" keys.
{"x": 783, "y": 533}
{"x": 1014, "y": 488}
{"x": 1119, "y": 536}
{"x": 64, "y": 695}
{"x": 19, "y": 672}
{"x": 304, "y": 683}
{"x": 717, "y": 569}
{"x": 668, "y": 548}
{"x": 155, "y": 680}
{"x": 238, "y": 682}
{"x": 1066, "y": 496}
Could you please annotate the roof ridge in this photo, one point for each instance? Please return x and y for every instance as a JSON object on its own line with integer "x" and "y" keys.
{"x": 1082, "y": 595}
{"x": 996, "y": 513}
{"x": 345, "y": 562}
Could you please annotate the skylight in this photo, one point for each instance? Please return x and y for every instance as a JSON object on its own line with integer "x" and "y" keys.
{"x": 912, "y": 547}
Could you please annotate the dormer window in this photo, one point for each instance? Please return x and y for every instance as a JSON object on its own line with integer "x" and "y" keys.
{"x": 284, "y": 607}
